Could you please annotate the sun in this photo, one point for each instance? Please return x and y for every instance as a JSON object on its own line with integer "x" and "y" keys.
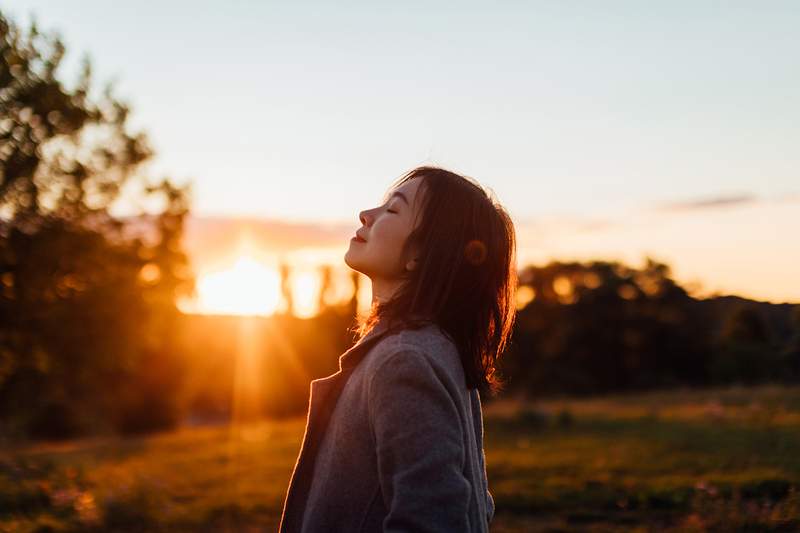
{"x": 247, "y": 288}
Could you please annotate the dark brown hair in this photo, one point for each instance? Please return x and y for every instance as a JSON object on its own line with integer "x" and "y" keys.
{"x": 466, "y": 278}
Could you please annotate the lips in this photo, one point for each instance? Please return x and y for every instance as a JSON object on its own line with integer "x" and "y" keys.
{"x": 358, "y": 239}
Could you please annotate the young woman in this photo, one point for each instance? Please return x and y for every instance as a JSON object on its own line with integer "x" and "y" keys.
{"x": 394, "y": 440}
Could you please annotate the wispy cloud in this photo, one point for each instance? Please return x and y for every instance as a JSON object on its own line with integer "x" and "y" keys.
{"x": 711, "y": 202}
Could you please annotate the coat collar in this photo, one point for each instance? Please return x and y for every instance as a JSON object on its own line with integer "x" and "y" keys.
{"x": 351, "y": 357}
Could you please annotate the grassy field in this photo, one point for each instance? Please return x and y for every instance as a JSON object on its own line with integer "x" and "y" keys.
{"x": 708, "y": 460}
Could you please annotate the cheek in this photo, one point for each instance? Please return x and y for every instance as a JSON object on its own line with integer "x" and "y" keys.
{"x": 387, "y": 242}
{"x": 391, "y": 236}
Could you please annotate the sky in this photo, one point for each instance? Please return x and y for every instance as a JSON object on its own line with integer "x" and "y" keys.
{"x": 607, "y": 129}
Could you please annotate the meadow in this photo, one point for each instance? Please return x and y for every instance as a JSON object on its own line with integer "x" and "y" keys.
{"x": 679, "y": 460}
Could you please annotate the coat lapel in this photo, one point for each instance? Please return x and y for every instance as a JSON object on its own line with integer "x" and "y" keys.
{"x": 324, "y": 393}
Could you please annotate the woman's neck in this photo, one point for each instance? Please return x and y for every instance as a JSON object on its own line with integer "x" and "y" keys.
{"x": 382, "y": 291}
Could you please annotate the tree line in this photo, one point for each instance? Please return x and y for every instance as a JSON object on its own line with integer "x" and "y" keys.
{"x": 599, "y": 327}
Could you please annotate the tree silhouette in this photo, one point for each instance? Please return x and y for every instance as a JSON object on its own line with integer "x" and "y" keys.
{"x": 745, "y": 325}
{"x": 602, "y": 326}
{"x": 352, "y": 308}
{"x": 744, "y": 351}
{"x": 286, "y": 288}
{"x": 63, "y": 151}
{"x": 325, "y": 287}
{"x": 791, "y": 352}
{"x": 88, "y": 299}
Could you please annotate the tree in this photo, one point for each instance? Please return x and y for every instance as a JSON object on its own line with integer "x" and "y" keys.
{"x": 325, "y": 287}
{"x": 602, "y": 326}
{"x": 286, "y": 288}
{"x": 352, "y": 304}
{"x": 87, "y": 299}
{"x": 790, "y": 354}
{"x": 744, "y": 350}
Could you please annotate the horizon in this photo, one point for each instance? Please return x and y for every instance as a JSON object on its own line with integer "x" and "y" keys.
{"x": 217, "y": 243}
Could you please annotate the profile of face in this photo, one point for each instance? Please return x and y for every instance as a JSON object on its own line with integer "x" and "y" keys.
{"x": 378, "y": 252}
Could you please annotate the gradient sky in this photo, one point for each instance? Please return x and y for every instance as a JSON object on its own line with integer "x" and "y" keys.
{"x": 608, "y": 129}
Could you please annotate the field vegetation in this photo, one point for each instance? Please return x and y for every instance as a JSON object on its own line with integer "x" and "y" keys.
{"x": 681, "y": 460}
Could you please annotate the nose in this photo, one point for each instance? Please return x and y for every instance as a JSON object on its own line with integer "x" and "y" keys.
{"x": 363, "y": 217}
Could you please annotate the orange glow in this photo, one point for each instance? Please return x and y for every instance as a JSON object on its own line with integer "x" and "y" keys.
{"x": 525, "y": 295}
{"x": 247, "y": 288}
{"x": 305, "y": 290}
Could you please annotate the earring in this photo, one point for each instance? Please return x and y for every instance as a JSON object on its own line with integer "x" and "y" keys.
{"x": 475, "y": 252}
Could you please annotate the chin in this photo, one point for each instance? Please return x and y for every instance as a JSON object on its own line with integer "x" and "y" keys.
{"x": 358, "y": 267}
{"x": 352, "y": 264}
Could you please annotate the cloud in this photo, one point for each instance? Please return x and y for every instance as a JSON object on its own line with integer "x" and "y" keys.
{"x": 712, "y": 202}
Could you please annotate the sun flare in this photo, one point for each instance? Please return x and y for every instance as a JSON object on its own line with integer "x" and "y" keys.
{"x": 247, "y": 288}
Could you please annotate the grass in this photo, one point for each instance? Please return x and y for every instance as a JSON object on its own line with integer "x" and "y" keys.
{"x": 706, "y": 460}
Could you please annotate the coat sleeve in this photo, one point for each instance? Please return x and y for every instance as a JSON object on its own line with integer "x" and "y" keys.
{"x": 477, "y": 416}
{"x": 418, "y": 439}
{"x": 489, "y": 506}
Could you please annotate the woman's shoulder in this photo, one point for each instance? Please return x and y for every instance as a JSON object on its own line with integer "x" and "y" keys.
{"x": 429, "y": 341}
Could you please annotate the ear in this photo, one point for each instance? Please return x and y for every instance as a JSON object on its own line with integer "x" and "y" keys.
{"x": 413, "y": 255}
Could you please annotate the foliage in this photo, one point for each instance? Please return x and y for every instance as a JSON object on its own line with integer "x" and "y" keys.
{"x": 86, "y": 297}
{"x": 745, "y": 350}
{"x": 600, "y": 326}
{"x": 604, "y": 326}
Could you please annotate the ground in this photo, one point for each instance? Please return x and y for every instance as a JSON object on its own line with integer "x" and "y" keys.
{"x": 681, "y": 460}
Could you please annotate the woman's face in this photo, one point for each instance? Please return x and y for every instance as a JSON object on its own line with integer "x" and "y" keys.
{"x": 385, "y": 230}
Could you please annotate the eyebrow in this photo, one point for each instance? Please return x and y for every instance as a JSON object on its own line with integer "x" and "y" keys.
{"x": 401, "y": 195}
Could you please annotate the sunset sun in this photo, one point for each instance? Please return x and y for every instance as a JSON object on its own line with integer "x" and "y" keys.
{"x": 247, "y": 288}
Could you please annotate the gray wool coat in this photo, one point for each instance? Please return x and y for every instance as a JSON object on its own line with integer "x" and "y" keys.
{"x": 393, "y": 442}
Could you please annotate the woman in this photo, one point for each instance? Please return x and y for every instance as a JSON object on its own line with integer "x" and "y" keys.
{"x": 394, "y": 440}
